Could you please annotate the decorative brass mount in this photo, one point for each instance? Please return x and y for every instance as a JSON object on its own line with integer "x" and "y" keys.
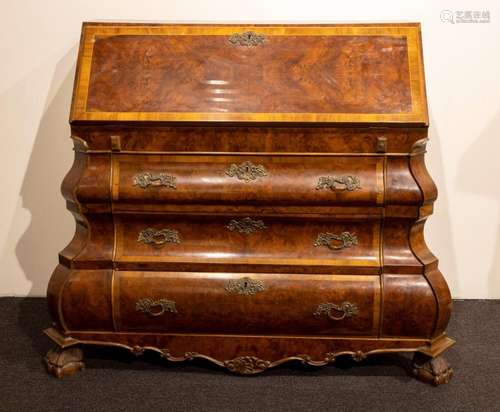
{"x": 349, "y": 183}
{"x": 145, "y": 179}
{"x": 155, "y": 307}
{"x": 346, "y": 240}
{"x": 246, "y": 225}
{"x": 246, "y": 171}
{"x": 247, "y": 38}
{"x": 245, "y": 286}
{"x": 336, "y": 312}
{"x": 158, "y": 237}
{"x": 381, "y": 144}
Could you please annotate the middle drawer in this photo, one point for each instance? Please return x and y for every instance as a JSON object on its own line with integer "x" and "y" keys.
{"x": 277, "y": 180}
{"x": 187, "y": 242}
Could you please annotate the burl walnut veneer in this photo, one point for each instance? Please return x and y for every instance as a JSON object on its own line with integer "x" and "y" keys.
{"x": 250, "y": 195}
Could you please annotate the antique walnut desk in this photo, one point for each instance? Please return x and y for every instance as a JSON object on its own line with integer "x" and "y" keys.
{"x": 250, "y": 195}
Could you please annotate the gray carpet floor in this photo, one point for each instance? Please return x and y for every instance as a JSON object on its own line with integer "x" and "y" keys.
{"x": 115, "y": 380}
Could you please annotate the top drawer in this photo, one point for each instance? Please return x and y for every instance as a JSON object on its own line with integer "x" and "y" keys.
{"x": 287, "y": 180}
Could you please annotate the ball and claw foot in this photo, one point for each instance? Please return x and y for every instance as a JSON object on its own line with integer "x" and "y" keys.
{"x": 435, "y": 371}
{"x": 64, "y": 362}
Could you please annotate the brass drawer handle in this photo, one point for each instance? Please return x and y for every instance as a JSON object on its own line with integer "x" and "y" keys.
{"x": 346, "y": 240}
{"x": 247, "y": 38}
{"x": 146, "y": 179}
{"x": 336, "y": 312}
{"x": 155, "y": 307}
{"x": 158, "y": 237}
{"x": 246, "y": 225}
{"x": 246, "y": 171}
{"x": 245, "y": 286}
{"x": 349, "y": 183}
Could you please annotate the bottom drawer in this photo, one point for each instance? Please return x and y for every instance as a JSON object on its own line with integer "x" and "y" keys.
{"x": 272, "y": 304}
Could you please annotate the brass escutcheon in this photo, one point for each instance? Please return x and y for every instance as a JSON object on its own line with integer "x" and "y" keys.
{"x": 247, "y": 38}
{"x": 245, "y": 286}
{"x": 246, "y": 171}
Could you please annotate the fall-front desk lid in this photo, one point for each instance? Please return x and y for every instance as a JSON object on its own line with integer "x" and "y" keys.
{"x": 363, "y": 73}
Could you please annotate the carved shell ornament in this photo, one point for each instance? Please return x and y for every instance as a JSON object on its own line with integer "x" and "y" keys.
{"x": 247, "y": 365}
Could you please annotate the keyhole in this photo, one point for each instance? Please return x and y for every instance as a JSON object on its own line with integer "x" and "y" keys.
{"x": 245, "y": 285}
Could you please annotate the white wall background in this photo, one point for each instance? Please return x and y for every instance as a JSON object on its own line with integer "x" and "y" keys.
{"x": 38, "y": 48}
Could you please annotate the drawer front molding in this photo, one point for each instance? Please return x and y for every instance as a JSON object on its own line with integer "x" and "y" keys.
{"x": 209, "y": 302}
{"x": 246, "y": 171}
{"x": 160, "y": 237}
{"x": 247, "y": 38}
{"x": 309, "y": 245}
{"x": 155, "y": 307}
{"x": 160, "y": 182}
{"x": 245, "y": 286}
{"x": 349, "y": 183}
{"x": 146, "y": 179}
{"x": 336, "y": 242}
{"x": 246, "y": 225}
{"x": 336, "y": 312}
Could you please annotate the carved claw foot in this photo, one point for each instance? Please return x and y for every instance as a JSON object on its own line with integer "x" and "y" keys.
{"x": 64, "y": 362}
{"x": 431, "y": 370}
